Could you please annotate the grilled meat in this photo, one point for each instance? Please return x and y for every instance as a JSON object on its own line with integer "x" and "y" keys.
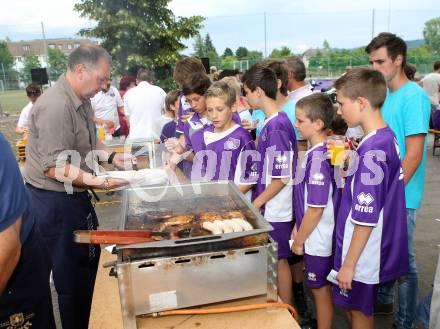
{"x": 209, "y": 216}
{"x": 232, "y": 214}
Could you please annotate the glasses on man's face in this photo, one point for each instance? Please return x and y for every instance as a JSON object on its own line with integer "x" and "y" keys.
{"x": 104, "y": 79}
{"x": 33, "y": 94}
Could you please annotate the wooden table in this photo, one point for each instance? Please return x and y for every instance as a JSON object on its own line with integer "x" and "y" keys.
{"x": 106, "y": 311}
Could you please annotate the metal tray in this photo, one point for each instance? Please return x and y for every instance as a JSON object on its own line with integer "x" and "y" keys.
{"x": 188, "y": 199}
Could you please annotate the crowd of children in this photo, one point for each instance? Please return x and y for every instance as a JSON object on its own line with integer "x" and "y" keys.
{"x": 349, "y": 225}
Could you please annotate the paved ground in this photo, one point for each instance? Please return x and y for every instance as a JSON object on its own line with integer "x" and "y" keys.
{"x": 426, "y": 241}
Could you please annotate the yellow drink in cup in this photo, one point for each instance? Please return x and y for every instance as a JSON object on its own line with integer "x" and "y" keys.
{"x": 101, "y": 133}
{"x": 336, "y": 147}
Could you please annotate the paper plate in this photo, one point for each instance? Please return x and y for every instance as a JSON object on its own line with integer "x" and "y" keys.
{"x": 141, "y": 177}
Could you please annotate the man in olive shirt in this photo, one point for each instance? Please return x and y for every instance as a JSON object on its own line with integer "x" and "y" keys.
{"x": 58, "y": 172}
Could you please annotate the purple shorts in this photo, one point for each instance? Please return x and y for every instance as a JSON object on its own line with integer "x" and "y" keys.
{"x": 281, "y": 234}
{"x": 317, "y": 269}
{"x": 361, "y": 297}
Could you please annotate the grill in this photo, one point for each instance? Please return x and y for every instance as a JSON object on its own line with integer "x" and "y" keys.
{"x": 191, "y": 266}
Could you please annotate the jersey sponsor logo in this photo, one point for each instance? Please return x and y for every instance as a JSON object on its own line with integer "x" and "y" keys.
{"x": 343, "y": 292}
{"x": 232, "y": 144}
{"x": 254, "y": 170}
{"x": 112, "y": 94}
{"x": 317, "y": 179}
{"x": 311, "y": 276}
{"x": 364, "y": 200}
{"x": 281, "y": 162}
{"x": 401, "y": 174}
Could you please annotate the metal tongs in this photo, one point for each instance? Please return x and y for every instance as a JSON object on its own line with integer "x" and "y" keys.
{"x": 118, "y": 236}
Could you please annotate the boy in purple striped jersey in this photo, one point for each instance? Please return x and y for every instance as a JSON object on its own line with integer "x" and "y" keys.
{"x": 228, "y": 147}
{"x": 273, "y": 193}
{"x": 371, "y": 238}
{"x": 194, "y": 90}
{"x": 316, "y": 203}
{"x": 184, "y": 69}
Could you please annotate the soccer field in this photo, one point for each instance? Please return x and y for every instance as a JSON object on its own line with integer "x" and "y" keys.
{"x": 12, "y": 101}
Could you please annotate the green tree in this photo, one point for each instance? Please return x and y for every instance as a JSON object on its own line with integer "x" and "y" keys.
{"x": 280, "y": 53}
{"x": 227, "y": 52}
{"x": 209, "y": 46}
{"x": 57, "y": 63}
{"x": 5, "y": 56}
{"x": 241, "y": 52}
{"x": 205, "y": 48}
{"x": 199, "y": 46}
{"x": 140, "y": 32}
{"x": 431, "y": 33}
{"x": 255, "y": 55}
{"x": 326, "y": 45}
{"x": 29, "y": 62}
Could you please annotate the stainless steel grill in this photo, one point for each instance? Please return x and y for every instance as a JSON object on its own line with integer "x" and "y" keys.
{"x": 192, "y": 267}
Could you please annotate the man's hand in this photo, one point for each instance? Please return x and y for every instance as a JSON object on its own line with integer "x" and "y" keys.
{"x": 116, "y": 182}
{"x": 345, "y": 277}
{"x": 124, "y": 161}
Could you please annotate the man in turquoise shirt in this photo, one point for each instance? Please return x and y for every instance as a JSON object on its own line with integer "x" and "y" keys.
{"x": 406, "y": 110}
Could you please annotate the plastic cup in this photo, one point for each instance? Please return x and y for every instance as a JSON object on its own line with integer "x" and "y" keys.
{"x": 336, "y": 148}
{"x": 101, "y": 133}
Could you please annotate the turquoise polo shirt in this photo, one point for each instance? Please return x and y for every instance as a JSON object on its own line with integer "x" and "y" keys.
{"x": 406, "y": 111}
{"x": 288, "y": 108}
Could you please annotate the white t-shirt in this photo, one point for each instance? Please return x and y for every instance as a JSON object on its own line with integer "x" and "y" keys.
{"x": 431, "y": 84}
{"x": 297, "y": 94}
{"x": 106, "y": 105}
{"x": 24, "y": 115}
{"x": 143, "y": 104}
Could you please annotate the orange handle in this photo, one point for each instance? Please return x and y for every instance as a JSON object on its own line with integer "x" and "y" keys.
{"x": 103, "y": 239}
{"x": 229, "y": 309}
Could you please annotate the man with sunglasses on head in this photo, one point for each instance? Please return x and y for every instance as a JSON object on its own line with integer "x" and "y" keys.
{"x": 33, "y": 91}
{"x": 58, "y": 174}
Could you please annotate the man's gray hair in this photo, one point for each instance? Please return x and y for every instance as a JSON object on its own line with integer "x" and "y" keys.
{"x": 145, "y": 75}
{"x": 296, "y": 66}
{"x": 89, "y": 55}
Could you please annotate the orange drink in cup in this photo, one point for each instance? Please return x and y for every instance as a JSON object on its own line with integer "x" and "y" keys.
{"x": 336, "y": 148}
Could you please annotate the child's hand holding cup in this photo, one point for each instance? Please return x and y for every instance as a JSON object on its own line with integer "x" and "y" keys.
{"x": 336, "y": 149}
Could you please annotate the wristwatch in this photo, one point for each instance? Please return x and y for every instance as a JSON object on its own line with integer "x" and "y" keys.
{"x": 106, "y": 184}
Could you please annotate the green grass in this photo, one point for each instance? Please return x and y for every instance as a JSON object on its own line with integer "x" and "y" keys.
{"x": 13, "y": 101}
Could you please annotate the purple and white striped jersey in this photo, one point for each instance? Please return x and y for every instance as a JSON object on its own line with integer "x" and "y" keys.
{"x": 193, "y": 132}
{"x": 375, "y": 196}
{"x": 229, "y": 154}
{"x": 278, "y": 151}
{"x": 316, "y": 187}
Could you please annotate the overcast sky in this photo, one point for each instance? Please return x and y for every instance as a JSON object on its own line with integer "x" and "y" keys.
{"x": 232, "y": 23}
